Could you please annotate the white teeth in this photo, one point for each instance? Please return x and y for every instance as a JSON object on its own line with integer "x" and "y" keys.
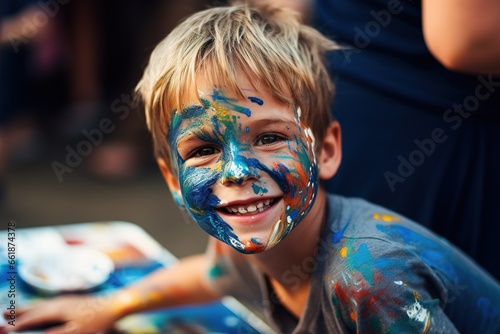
{"x": 252, "y": 208}
{"x": 260, "y": 206}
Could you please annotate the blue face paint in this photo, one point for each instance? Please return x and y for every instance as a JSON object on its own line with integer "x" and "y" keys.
{"x": 258, "y": 190}
{"x": 216, "y": 124}
{"x": 256, "y": 100}
{"x": 217, "y": 96}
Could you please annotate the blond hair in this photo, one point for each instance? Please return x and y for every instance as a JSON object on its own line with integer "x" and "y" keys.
{"x": 269, "y": 45}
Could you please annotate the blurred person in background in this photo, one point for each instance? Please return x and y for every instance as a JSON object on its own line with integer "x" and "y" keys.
{"x": 418, "y": 99}
{"x": 31, "y": 61}
{"x": 65, "y": 66}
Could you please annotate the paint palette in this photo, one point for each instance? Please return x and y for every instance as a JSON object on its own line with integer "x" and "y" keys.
{"x": 71, "y": 269}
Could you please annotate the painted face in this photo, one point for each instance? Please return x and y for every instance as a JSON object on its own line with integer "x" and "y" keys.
{"x": 246, "y": 168}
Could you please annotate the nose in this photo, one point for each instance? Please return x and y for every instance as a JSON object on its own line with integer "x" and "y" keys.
{"x": 238, "y": 171}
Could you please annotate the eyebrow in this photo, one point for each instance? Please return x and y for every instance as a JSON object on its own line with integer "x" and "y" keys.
{"x": 272, "y": 121}
{"x": 186, "y": 140}
{"x": 193, "y": 135}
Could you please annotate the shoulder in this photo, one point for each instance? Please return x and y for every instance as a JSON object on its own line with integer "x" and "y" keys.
{"x": 375, "y": 277}
{"x": 382, "y": 267}
{"x": 355, "y": 222}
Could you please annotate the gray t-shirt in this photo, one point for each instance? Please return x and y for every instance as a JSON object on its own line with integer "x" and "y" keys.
{"x": 375, "y": 272}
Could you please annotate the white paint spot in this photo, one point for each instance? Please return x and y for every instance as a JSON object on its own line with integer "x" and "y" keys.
{"x": 398, "y": 282}
{"x": 417, "y": 312}
{"x": 231, "y": 321}
{"x": 274, "y": 233}
{"x": 309, "y": 134}
{"x": 236, "y": 243}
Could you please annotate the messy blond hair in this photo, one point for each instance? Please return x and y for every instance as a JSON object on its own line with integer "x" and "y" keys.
{"x": 269, "y": 45}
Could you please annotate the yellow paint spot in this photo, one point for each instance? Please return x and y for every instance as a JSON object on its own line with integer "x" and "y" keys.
{"x": 427, "y": 324}
{"x": 218, "y": 166}
{"x": 388, "y": 218}
{"x": 343, "y": 252}
{"x": 155, "y": 296}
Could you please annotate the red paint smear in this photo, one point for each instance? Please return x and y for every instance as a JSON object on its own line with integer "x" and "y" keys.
{"x": 73, "y": 241}
{"x": 253, "y": 247}
{"x": 341, "y": 294}
{"x": 366, "y": 297}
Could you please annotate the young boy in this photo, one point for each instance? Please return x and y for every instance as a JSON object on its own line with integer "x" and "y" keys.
{"x": 237, "y": 104}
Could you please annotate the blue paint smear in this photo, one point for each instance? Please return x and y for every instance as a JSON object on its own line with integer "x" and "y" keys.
{"x": 255, "y": 241}
{"x": 362, "y": 260}
{"x": 487, "y": 308}
{"x": 429, "y": 250}
{"x": 256, "y": 100}
{"x": 218, "y": 97}
{"x": 193, "y": 111}
{"x": 257, "y": 190}
{"x": 338, "y": 235}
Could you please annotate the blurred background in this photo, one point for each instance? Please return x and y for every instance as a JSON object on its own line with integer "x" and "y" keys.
{"x": 73, "y": 143}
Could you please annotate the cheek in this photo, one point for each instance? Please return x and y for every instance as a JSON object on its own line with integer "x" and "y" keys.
{"x": 302, "y": 180}
{"x": 196, "y": 189}
{"x": 301, "y": 166}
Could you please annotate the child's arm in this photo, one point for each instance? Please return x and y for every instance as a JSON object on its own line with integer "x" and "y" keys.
{"x": 183, "y": 283}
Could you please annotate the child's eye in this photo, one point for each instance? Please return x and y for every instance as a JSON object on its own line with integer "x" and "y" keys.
{"x": 269, "y": 138}
{"x": 204, "y": 151}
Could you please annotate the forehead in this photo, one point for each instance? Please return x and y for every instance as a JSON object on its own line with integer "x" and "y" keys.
{"x": 236, "y": 85}
{"x": 240, "y": 95}
{"x": 215, "y": 101}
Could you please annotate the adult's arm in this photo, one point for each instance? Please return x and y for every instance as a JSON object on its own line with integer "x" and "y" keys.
{"x": 182, "y": 284}
{"x": 464, "y": 35}
{"x": 12, "y": 28}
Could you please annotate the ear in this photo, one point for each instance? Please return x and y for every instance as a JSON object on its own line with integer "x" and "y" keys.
{"x": 172, "y": 182}
{"x": 331, "y": 152}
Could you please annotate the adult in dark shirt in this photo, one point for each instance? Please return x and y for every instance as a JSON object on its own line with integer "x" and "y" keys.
{"x": 418, "y": 100}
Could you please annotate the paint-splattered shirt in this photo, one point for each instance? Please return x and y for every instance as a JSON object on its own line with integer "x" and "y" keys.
{"x": 375, "y": 272}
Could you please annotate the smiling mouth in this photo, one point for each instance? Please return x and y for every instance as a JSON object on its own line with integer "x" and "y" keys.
{"x": 250, "y": 209}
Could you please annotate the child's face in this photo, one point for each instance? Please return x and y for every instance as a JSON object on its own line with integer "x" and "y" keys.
{"x": 246, "y": 168}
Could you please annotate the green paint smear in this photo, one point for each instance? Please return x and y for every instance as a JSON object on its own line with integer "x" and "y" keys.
{"x": 361, "y": 260}
{"x": 376, "y": 324}
{"x": 257, "y": 190}
{"x": 216, "y": 271}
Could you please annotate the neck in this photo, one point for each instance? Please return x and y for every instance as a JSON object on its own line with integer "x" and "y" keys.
{"x": 290, "y": 263}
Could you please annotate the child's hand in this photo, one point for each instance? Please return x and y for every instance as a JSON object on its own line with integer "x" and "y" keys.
{"x": 72, "y": 314}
